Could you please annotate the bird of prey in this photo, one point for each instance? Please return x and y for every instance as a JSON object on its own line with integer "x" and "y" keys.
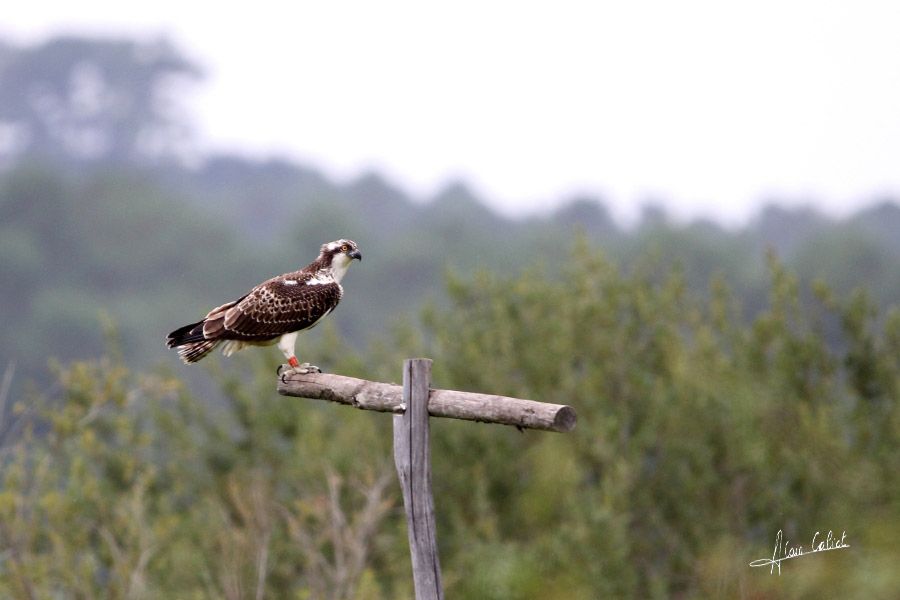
{"x": 275, "y": 311}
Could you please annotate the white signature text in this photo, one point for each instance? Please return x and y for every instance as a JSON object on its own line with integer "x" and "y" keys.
{"x": 784, "y": 551}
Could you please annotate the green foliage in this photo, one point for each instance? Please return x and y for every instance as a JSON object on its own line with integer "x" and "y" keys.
{"x": 73, "y": 250}
{"x": 699, "y": 437}
{"x": 130, "y": 488}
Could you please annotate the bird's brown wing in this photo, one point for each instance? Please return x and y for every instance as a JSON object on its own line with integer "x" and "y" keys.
{"x": 274, "y": 308}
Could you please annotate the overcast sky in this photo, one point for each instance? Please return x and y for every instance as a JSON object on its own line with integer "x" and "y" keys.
{"x": 708, "y": 107}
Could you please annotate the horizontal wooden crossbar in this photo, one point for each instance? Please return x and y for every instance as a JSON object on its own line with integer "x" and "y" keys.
{"x": 388, "y": 397}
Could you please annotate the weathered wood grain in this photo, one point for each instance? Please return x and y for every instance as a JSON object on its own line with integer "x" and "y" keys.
{"x": 412, "y": 457}
{"x": 387, "y": 397}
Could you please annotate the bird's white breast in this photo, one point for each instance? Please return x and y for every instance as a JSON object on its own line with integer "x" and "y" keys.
{"x": 320, "y": 279}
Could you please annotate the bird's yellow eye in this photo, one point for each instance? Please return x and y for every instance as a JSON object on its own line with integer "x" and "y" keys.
{"x": 344, "y": 248}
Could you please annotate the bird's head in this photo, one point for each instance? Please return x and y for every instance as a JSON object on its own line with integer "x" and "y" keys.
{"x": 338, "y": 255}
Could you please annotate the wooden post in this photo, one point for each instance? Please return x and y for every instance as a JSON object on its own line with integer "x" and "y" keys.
{"x": 412, "y": 456}
{"x": 412, "y": 404}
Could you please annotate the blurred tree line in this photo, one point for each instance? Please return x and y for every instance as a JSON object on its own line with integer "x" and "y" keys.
{"x": 146, "y": 235}
{"x": 722, "y": 395}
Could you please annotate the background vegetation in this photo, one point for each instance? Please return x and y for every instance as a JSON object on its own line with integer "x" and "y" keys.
{"x": 724, "y": 391}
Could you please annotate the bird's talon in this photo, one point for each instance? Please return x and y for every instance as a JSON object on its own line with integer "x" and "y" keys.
{"x": 278, "y": 370}
{"x": 306, "y": 369}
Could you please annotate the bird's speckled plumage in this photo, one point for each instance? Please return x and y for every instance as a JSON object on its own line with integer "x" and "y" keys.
{"x": 277, "y": 307}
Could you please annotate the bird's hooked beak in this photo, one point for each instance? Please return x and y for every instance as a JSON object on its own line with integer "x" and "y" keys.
{"x": 355, "y": 254}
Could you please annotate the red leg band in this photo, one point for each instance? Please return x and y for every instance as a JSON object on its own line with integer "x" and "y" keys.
{"x": 294, "y": 362}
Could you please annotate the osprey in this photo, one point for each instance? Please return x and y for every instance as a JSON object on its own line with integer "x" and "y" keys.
{"x": 275, "y": 311}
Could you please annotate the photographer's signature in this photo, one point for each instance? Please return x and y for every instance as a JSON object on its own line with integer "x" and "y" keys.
{"x": 784, "y": 551}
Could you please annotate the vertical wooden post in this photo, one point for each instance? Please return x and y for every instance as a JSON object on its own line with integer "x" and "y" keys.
{"x": 412, "y": 457}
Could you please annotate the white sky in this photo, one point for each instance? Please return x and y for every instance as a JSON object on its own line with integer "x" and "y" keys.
{"x": 709, "y": 107}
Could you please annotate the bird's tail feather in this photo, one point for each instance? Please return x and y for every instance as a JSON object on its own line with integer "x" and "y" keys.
{"x": 192, "y": 345}
{"x": 194, "y": 351}
{"x": 186, "y": 335}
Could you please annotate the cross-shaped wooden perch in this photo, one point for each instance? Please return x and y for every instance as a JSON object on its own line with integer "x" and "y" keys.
{"x": 388, "y": 397}
{"x": 412, "y": 404}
